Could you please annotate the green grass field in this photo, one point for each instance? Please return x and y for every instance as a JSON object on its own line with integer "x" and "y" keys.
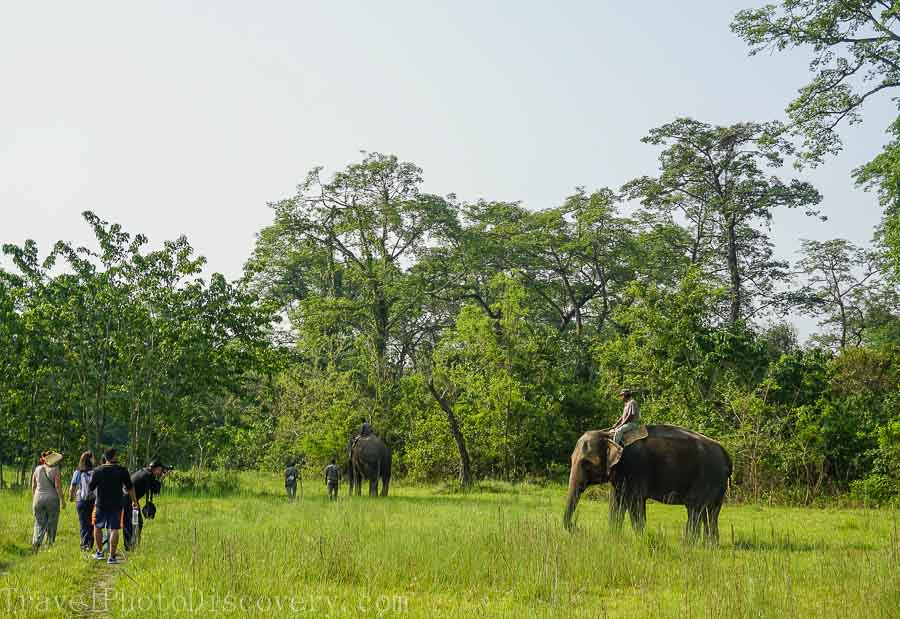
{"x": 422, "y": 553}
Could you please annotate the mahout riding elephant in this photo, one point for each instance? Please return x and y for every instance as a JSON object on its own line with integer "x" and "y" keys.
{"x": 672, "y": 465}
{"x": 370, "y": 459}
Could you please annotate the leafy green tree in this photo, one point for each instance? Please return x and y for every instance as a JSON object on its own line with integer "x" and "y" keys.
{"x": 840, "y": 280}
{"x": 124, "y": 346}
{"x": 883, "y": 175}
{"x": 714, "y": 178}
{"x": 855, "y": 47}
{"x": 352, "y": 240}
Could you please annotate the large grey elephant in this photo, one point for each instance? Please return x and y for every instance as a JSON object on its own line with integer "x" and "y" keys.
{"x": 370, "y": 459}
{"x": 672, "y": 465}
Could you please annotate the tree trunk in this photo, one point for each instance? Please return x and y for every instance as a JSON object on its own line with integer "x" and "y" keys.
{"x": 465, "y": 474}
{"x": 734, "y": 272}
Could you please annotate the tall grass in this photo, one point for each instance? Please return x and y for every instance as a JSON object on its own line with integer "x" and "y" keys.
{"x": 421, "y": 553}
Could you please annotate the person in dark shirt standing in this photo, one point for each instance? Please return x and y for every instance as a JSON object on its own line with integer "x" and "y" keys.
{"x": 291, "y": 479}
{"x": 108, "y": 481}
{"x": 147, "y": 482}
{"x": 332, "y": 479}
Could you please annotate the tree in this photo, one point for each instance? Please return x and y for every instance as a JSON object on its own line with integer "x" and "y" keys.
{"x": 855, "y": 56}
{"x": 713, "y": 178}
{"x": 352, "y": 240}
{"x": 123, "y": 346}
{"x": 840, "y": 279}
{"x": 883, "y": 174}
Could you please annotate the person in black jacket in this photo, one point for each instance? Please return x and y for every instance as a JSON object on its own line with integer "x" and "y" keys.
{"x": 147, "y": 482}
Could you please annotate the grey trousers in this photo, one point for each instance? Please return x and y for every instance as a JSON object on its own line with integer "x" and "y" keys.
{"x": 619, "y": 434}
{"x": 46, "y": 519}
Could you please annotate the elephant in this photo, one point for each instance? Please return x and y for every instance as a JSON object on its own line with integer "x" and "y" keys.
{"x": 672, "y": 465}
{"x": 370, "y": 459}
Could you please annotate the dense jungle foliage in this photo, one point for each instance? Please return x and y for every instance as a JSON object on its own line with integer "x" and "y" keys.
{"x": 481, "y": 338}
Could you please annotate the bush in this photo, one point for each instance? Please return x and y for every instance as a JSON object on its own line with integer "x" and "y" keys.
{"x": 197, "y": 481}
{"x": 874, "y": 489}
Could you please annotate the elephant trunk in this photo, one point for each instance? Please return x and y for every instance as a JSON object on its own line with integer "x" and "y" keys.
{"x": 576, "y": 487}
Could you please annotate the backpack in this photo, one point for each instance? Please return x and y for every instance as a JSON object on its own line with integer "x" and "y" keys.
{"x": 83, "y": 480}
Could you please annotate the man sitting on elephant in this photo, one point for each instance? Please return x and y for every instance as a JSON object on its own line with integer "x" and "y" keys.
{"x": 365, "y": 429}
{"x": 630, "y": 419}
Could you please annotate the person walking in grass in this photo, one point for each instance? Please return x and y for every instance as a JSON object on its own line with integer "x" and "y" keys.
{"x": 332, "y": 480}
{"x": 79, "y": 491}
{"x": 47, "y": 499}
{"x": 291, "y": 480}
{"x": 147, "y": 482}
{"x": 108, "y": 481}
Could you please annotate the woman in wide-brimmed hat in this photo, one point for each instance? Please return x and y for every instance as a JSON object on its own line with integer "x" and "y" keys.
{"x": 46, "y": 490}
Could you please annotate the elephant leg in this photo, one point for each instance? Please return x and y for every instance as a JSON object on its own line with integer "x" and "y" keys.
{"x": 704, "y": 520}
{"x": 385, "y": 482}
{"x": 373, "y": 486}
{"x": 616, "y": 509}
{"x": 692, "y": 528}
{"x": 714, "y": 524}
{"x": 637, "y": 510}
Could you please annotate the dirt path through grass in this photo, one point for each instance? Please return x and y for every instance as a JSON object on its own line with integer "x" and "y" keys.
{"x": 102, "y": 584}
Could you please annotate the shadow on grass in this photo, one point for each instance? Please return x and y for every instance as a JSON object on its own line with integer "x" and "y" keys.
{"x": 11, "y": 554}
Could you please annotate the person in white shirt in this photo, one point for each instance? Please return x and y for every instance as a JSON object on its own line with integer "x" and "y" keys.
{"x": 630, "y": 419}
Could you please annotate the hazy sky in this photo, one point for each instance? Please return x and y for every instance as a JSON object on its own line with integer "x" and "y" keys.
{"x": 188, "y": 117}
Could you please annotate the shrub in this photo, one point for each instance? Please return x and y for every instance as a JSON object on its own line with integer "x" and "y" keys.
{"x": 875, "y": 489}
{"x": 198, "y": 481}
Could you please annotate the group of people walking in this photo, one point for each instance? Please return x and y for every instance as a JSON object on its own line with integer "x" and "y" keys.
{"x": 107, "y": 498}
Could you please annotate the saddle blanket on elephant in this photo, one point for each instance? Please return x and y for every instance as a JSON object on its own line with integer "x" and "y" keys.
{"x": 631, "y": 436}
{"x": 635, "y": 435}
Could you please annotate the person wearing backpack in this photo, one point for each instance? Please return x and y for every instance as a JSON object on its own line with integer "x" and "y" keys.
{"x": 47, "y": 499}
{"x": 80, "y": 491}
{"x": 291, "y": 478}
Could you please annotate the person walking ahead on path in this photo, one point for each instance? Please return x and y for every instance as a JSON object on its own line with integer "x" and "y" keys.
{"x": 291, "y": 479}
{"x": 108, "y": 481}
{"x": 332, "y": 480}
{"x": 79, "y": 490}
{"x": 47, "y": 499}
{"x": 630, "y": 419}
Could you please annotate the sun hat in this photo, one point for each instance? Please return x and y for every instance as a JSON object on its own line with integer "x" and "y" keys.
{"x": 53, "y": 458}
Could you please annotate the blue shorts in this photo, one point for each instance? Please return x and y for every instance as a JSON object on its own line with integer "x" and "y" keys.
{"x": 108, "y": 518}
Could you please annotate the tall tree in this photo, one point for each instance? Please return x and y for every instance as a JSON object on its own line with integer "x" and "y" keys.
{"x": 883, "y": 175}
{"x": 841, "y": 278}
{"x": 353, "y": 240}
{"x": 855, "y": 48}
{"x": 713, "y": 178}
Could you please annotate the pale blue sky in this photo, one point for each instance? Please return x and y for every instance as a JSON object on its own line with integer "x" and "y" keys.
{"x": 187, "y": 117}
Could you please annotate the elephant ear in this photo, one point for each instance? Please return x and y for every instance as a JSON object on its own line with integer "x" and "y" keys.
{"x": 613, "y": 455}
